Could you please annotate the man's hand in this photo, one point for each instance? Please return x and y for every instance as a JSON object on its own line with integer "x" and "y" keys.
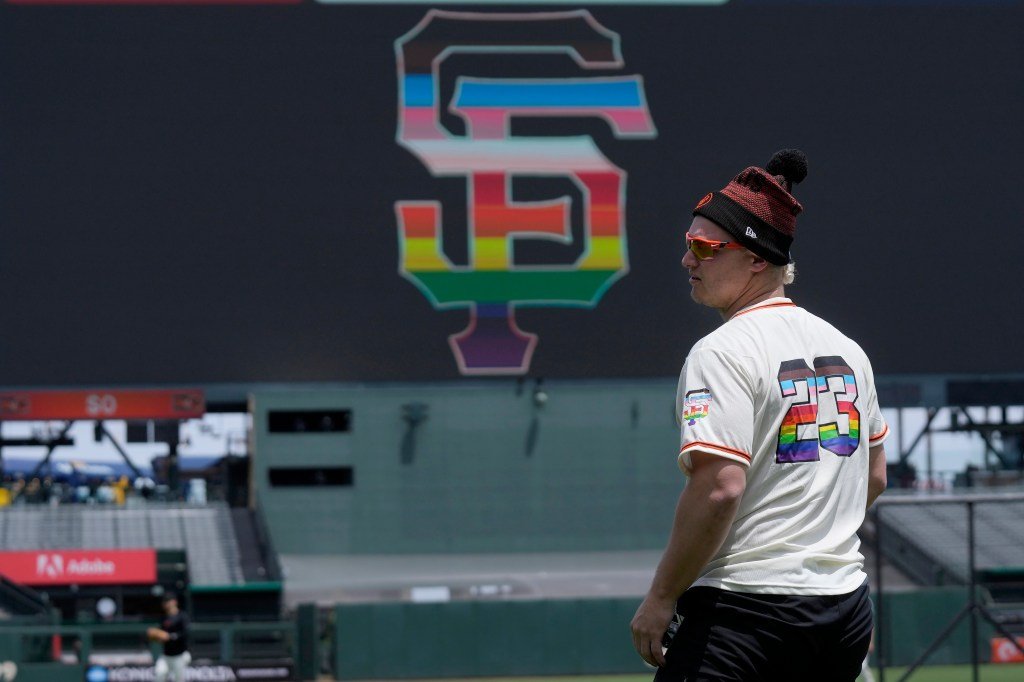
{"x": 157, "y": 635}
{"x": 649, "y": 625}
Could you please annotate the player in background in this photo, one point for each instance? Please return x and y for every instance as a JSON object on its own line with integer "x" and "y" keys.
{"x": 781, "y": 439}
{"x": 173, "y": 632}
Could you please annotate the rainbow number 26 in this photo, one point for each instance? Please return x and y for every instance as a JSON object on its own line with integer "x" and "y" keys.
{"x": 801, "y": 434}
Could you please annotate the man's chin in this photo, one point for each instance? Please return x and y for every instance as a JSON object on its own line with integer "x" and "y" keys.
{"x": 699, "y": 297}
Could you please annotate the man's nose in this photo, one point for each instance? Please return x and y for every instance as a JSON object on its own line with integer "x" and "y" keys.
{"x": 689, "y": 260}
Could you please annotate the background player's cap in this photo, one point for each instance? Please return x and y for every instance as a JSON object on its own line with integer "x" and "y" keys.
{"x": 757, "y": 207}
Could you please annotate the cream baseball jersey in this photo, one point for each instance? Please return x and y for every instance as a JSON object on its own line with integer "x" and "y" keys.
{"x": 787, "y": 395}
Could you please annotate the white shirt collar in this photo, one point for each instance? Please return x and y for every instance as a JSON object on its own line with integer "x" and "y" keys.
{"x": 775, "y": 302}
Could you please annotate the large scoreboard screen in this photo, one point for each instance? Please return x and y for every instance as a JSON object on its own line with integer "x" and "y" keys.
{"x": 198, "y": 192}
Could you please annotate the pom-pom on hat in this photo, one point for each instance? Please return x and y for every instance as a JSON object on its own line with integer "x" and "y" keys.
{"x": 757, "y": 207}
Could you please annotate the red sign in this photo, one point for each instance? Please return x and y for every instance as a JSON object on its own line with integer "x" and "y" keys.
{"x": 154, "y": 2}
{"x": 100, "y": 404}
{"x": 80, "y": 566}
{"x": 1003, "y": 650}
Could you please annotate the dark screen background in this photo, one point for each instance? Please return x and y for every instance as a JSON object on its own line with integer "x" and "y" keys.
{"x": 207, "y": 194}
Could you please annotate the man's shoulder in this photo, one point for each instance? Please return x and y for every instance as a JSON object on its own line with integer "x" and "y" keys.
{"x": 725, "y": 351}
{"x": 718, "y": 342}
{"x": 729, "y": 339}
{"x": 827, "y": 329}
{"x": 768, "y": 333}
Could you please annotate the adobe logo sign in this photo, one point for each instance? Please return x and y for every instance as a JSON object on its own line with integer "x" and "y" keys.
{"x": 80, "y": 567}
{"x": 50, "y": 565}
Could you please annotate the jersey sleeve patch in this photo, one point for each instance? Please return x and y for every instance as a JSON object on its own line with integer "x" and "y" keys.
{"x": 696, "y": 405}
{"x": 715, "y": 406}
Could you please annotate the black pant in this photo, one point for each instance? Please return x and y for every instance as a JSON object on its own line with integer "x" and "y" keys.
{"x": 746, "y": 637}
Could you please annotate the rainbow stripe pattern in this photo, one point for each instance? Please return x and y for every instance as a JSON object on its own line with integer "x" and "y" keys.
{"x": 696, "y": 405}
{"x": 834, "y": 375}
{"x": 831, "y": 374}
{"x": 491, "y": 285}
{"x": 796, "y": 380}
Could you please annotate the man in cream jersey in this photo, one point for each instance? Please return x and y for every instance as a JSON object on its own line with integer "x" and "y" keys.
{"x": 781, "y": 438}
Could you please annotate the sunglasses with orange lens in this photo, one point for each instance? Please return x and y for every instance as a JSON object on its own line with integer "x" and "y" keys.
{"x": 704, "y": 249}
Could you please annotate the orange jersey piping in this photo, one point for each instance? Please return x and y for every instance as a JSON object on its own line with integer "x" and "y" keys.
{"x": 700, "y": 443}
{"x": 880, "y": 435}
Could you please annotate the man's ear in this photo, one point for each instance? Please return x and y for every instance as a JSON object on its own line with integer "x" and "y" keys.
{"x": 758, "y": 264}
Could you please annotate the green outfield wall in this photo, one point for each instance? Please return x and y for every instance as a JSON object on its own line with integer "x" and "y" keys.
{"x": 475, "y": 639}
{"x": 913, "y": 620}
{"x": 576, "y": 637}
{"x": 475, "y": 467}
{"x": 221, "y": 650}
{"x": 489, "y": 638}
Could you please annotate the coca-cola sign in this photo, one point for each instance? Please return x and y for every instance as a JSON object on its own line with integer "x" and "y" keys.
{"x": 80, "y": 566}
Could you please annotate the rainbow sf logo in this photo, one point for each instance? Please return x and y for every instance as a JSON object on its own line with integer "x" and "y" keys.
{"x": 491, "y": 286}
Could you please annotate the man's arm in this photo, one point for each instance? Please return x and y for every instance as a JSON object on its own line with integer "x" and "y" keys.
{"x": 157, "y": 635}
{"x": 704, "y": 515}
{"x": 876, "y": 473}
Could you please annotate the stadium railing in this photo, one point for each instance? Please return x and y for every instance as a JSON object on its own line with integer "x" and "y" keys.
{"x": 989, "y": 538}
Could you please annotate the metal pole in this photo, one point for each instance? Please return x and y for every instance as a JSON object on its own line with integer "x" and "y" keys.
{"x": 936, "y": 643}
{"x": 227, "y": 640}
{"x": 1016, "y": 640}
{"x": 973, "y": 590}
{"x": 50, "y": 447}
{"x": 932, "y": 413}
{"x": 930, "y": 460}
{"x": 899, "y": 432}
{"x": 173, "y": 470}
{"x": 972, "y": 605}
{"x": 883, "y": 631}
{"x": 102, "y": 428}
{"x": 986, "y": 441}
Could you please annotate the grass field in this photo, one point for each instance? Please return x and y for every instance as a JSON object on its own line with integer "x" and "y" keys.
{"x": 939, "y": 673}
{"x": 958, "y": 673}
